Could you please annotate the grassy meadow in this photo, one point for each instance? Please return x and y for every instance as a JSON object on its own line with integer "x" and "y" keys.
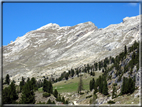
{"x": 71, "y": 85}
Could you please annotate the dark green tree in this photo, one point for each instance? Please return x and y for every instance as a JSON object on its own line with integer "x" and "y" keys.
{"x": 128, "y": 86}
{"x": 53, "y": 102}
{"x": 63, "y": 100}
{"x": 80, "y": 85}
{"x": 55, "y": 93}
{"x": 9, "y": 94}
{"x": 33, "y": 83}
{"x": 91, "y": 87}
{"x": 131, "y": 85}
{"x": 77, "y": 72}
{"x": 114, "y": 92}
{"x": 28, "y": 96}
{"x": 50, "y": 87}
{"x": 28, "y": 79}
{"x": 125, "y": 51}
{"x": 100, "y": 66}
{"x": 45, "y": 86}
{"x": 72, "y": 72}
{"x": 96, "y": 66}
{"x": 103, "y": 71}
{"x": 13, "y": 93}
{"x": 93, "y": 83}
{"x": 105, "y": 88}
{"x": 6, "y": 96}
{"x": 7, "y": 81}
{"x": 22, "y": 84}
{"x": 58, "y": 98}
{"x": 49, "y": 102}
{"x": 93, "y": 73}
{"x": 95, "y": 88}
{"x": 123, "y": 86}
{"x": 66, "y": 76}
{"x": 100, "y": 84}
{"x": 66, "y": 102}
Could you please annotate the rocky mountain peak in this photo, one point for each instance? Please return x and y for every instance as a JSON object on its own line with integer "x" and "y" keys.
{"x": 49, "y": 26}
{"x": 131, "y": 19}
{"x": 52, "y": 49}
{"x": 87, "y": 24}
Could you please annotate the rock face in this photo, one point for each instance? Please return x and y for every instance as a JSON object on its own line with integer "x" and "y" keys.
{"x": 52, "y": 49}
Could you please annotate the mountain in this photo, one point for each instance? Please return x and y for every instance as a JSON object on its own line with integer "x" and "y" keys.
{"x": 51, "y": 49}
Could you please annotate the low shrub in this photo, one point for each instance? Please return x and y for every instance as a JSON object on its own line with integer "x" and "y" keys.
{"x": 46, "y": 94}
{"x": 111, "y": 102}
{"x": 115, "y": 84}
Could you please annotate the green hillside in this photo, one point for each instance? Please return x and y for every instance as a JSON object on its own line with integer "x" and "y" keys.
{"x": 71, "y": 85}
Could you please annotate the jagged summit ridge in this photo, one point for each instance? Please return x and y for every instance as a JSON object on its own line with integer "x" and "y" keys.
{"x": 49, "y": 26}
{"x": 53, "y": 49}
{"x": 56, "y": 26}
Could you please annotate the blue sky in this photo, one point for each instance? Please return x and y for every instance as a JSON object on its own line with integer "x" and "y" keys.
{"x": 20, "y": 18}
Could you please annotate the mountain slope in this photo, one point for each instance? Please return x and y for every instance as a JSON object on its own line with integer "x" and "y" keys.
{"x": 52, "y": 49}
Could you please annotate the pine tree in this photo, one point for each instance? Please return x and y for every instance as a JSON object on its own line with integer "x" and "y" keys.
{"x": 123, "y": 86}
{"x": 100, "y": 84}
{"x": 49, "y": 102}
{"x": 96, "y": 66}
{"x": 9, "y": 94}
{"x": 66, "y": 76}
{"x": 7, "y": 81}
{"x": 80, "y": 85}
{"x": 58, "y": 98}
{"x": 22, "y": 84}
{"x": 50, "y": 87}
{"x": 103, "y": 70}
{"x": 95, "y": 88}
{"x": 128, "y": 86}
{"x": 114, "y": 92}
{"x": 55, "y": 93}
{"x": 53, "y": 102}
{"x": 105, "y": 88}
{"x": 90, "y": 85}
{"x": 45, "y": 86}
{"x": 67, "y": 102}
{"x": 72, "y": 72}
{"x": 131, "y": 85}
{"x": 13, "y": 93}
{"x": 33, "y": 83}
{"x": 99, "y": 65}
{"x": 6, "y": 96}
{"x": 93, "y": 83}
{"x": 77, "y": 72}
{"x": 28, "y": 79}
{"x": 63, "y": 100}
{"x": 125, "y": 51}
{"x": 28, "y": 96}
{"x": 93, "y": 73}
